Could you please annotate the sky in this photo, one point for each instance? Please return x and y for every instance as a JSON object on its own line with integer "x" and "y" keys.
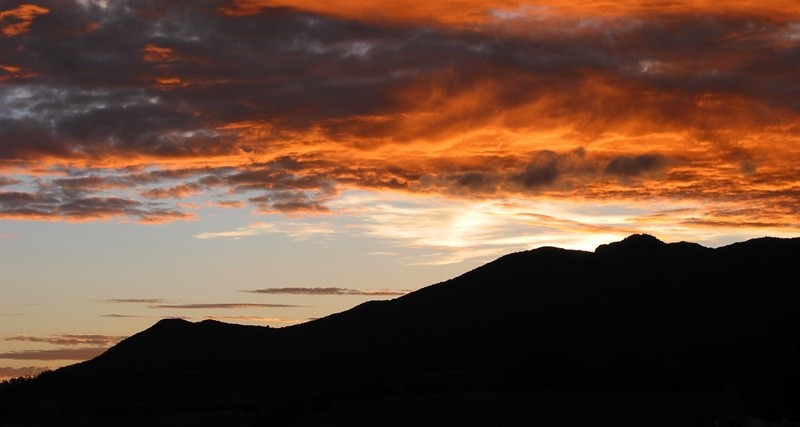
{"x": 273, "y": 161}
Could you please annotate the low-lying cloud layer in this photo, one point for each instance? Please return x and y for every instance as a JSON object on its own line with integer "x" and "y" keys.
{"x": 221, "y": 306}
{"x": 134, "y": 301}
{"x": 256, "y": 319}
{"x": 80, "y": 354}
{"x": 151, "y": 112}
{"x": 326, "y": 291}
{"x": 71, "y": 340}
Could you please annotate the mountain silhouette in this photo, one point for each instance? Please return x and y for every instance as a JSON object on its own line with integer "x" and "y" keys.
{"x": 707, "y": 335}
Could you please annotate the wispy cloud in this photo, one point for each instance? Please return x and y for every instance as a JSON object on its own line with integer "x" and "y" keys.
{"x": 222, "y": 306}
{"x": 226, "y": 204}
{"x": 121, "y": 316}
{"x": 72, "y": 340}
{"x": 257, "y": 319}
{"x": 448, "y": 231}
{"x": 84, "y": 353}
{"x": 435, "y": 230}
{"x": 14, "y": 22}
{"x": 327, "y": 291}
{"x": 134, "y": 301}
{"x": 296, "y": 230}
{"x": 5, "y": 181}
{"x": 255, "y": 229}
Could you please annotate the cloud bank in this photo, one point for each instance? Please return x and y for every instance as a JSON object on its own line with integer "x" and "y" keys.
{"x": 71, "y": 340}
{"x": 221, "y": 306}
{"x": 149, "y": 112}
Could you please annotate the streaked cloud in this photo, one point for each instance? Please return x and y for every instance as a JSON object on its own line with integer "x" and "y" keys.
{"x": 79, "y": 354}
{"x": 327, "y": 291}
{"x": 5, "y": 181}
{"x": 226, "y": 204}
{"x": 221, "y": 306}
{"x": 458, "y": 12}
{"x": 46, "y": 206}
{"x": 134, "y": 301}
{"x": 122, "y": 316}
{"x": 296, "y": 230}
{"x": 635, "y": 165}
{"x": 254, "y": 229}
{"x": 257, "y": 319}
{"x": 71, "y": 340}
{"x": 448, "y": 232}
{"x": 432, "y": 230}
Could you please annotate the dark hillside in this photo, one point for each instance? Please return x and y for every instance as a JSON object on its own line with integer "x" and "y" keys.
{"x": 636, "y": 316}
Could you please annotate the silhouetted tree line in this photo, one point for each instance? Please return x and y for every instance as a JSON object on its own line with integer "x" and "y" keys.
{"x": 21, "y": 381}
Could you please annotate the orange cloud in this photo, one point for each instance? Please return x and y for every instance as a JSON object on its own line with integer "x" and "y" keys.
{"x": 18, "y": 20}
{"x": 220, "y": 306}
{"x": 76, "y": 340}
{"x": 226, "y": 204}
{"x": 473, "y": 12}
{"x": 286, "y": 106}
{"x": 327, "y": 291}
{"x": 8, "y": 72}
{"x": 10, "y": 69}
{"x": 153, "y": 53}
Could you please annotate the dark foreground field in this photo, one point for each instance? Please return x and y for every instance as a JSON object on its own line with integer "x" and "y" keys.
{"x": 543, "y": 409}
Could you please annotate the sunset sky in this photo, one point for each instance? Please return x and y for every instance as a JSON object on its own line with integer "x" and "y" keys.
{"x": 273, "y": 161}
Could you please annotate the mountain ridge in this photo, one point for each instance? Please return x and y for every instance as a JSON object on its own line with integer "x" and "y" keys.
{"x": 639, "y": 314}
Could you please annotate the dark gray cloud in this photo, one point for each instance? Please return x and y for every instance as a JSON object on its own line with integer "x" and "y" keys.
{"x": 326, "y": 291}
{"x": 543, "y": 169}
{"x": 46, "y": 204}
{"x": 635, "y": 165}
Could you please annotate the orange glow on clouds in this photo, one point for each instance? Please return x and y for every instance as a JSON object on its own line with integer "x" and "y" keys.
{"x": 594, "y": 102}
{"x": 18, "y": 20}
{"x": 471, "y": 12}
{"x": 153, "y": 53}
